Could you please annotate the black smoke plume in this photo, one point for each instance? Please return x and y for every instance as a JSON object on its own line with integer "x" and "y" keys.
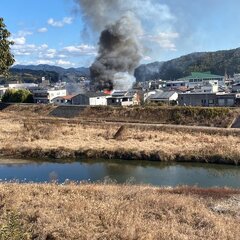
{"x": 119, "y": 51}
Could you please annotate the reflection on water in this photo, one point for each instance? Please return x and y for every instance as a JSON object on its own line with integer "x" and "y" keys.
{"x": 155, "y": 173}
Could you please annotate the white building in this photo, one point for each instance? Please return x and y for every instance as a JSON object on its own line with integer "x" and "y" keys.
{"x": 22, "y": 86}
{"x": 210, "y": 86}
{"x": 124, "y": 98}
{"x": 47, "y": 95}
{"x": 236, "y": 77}
{"x": 90, "y": 98}
{"x": 172, "y": 85}
{"x": 197, "y": 79}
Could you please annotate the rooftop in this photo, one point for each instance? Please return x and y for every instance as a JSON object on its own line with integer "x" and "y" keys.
{"x": 162, "y": 95}
{"x": 201, "y": 75}
{"x": 94, "y": 94}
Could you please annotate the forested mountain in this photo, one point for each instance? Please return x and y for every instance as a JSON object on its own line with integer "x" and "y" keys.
{"x": 44, "y": 67}
{"x": 220, "y": 62}
{"x": 29, "y": 76}
{"x": 34, "y": 73}
{"x": 217, "y": 62}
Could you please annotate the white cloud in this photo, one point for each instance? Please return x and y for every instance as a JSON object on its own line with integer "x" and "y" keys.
{"x": 80, "y": 50}
{"x": 27, "y": 49}
{"x": 44, "y": 46}
{"x": 64, "y": 21}
{"x": 147, "y": 58}
{"x": 164, "y": 39}
{"x": 19, "y": 40}
{"x": 23, "y": 33}
{"x": 42, "y": 54}
{"x": 44, "y": 61}
{"x": 48, "y": 53}
{"x": 42, "y": 30}
{"x": 63, "y": 63}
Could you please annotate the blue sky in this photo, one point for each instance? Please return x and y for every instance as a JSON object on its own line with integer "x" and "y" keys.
{"x": 55, "y": 33}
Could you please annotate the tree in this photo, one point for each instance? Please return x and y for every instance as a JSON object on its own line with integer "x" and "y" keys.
{"x": 6, "y": 57}
{"x": 17, "y": 96}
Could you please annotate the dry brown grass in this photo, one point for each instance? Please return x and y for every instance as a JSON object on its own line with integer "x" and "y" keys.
{"x": 33, "y": 133}
{"x": 49, "y": 211}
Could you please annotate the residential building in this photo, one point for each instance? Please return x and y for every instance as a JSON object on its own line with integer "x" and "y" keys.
{"x": 208, "y": 87}
{"x": 208, "y": 99}
{"x": 90, "y": 98}
{"x": 199, "y": 78}
{"x": 124, "y": 98}
{"x": 47, "y": 95}
{"x": 164, "y": 97}
{"x": 64, "y": 100}
{"x": 236, "y": 87}
{"x": 173, "y": 85}
{"x": 236, "y": 77}
{"x": 22, "y": 86}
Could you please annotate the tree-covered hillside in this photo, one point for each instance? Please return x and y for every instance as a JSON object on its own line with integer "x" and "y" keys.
{"x": 29, "y": 76}
{"x": 217, "y": 62}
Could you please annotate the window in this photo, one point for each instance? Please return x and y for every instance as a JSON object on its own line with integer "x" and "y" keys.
{"x": 211, "y": 101}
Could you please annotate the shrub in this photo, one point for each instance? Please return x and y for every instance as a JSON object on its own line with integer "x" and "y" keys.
{"x": 11, "y": 228}
{"x": 17, "y": 96}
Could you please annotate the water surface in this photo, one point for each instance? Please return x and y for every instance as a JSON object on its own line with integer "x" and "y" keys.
{"x": 121, "y": 171}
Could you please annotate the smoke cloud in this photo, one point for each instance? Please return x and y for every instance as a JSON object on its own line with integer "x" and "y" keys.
{"x": 120, "y": 50}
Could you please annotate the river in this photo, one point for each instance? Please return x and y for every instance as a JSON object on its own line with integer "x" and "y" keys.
{"x": 120, "y": 171}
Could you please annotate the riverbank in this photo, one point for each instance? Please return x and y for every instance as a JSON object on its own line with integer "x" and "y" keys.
{"x": 108, "y": 211}
{"x": 195, "y": 116}
{"x": 61, "y": 139}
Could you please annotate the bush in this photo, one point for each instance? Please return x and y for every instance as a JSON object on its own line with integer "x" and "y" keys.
{"x": 17, "y": 96}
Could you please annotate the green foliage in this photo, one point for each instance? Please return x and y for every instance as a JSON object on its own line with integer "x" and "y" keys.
{"x": 216, "y": 62}
{"x": 17, "y": 96}
{"x": 11, "y": 228}
{"x": 6, "y": 58}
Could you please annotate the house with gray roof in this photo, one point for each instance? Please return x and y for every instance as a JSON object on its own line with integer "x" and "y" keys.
{"x": 208, "y": 99}
{"x": 90, "y": 98}
{"x": 165, "y": 97}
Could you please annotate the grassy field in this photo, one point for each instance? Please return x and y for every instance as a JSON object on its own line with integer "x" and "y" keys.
{"x": 32, "y": 136}
{"x": 110, "y": 211}
{"x": 106, "y": 211}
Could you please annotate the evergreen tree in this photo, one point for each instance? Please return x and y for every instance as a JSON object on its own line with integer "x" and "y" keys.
{"x": 6, "y": 57}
